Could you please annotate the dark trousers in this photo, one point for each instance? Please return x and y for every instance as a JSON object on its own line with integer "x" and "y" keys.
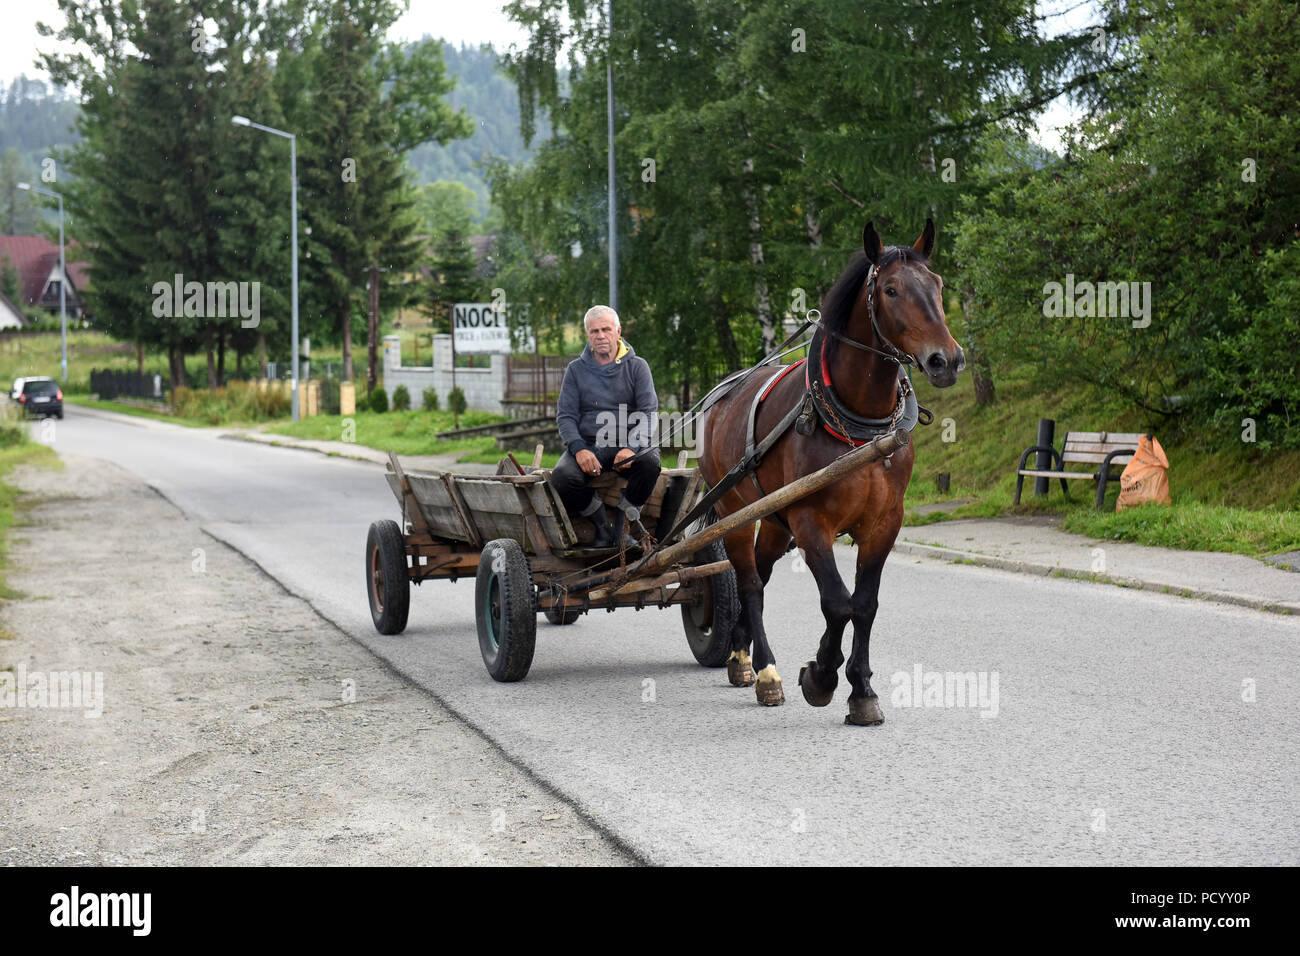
{"x": 572, "y": 483}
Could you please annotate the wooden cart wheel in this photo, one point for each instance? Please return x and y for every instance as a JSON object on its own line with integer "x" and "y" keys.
{"x": 388, "y": 581}
{"x": 709, "y": 622}
{"x": 565, "y": 616}
{"x": 506, "y": 610}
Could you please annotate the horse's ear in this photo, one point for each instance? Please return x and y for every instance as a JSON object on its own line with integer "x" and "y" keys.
{"x": 925, "y": 244}
{"x": 871, "y": 244}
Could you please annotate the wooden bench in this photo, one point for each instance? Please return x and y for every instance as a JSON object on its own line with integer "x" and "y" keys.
{"x": 1094, "y": 448}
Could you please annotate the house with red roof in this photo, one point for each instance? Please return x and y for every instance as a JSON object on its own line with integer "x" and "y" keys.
{"x": 36, "y": 260}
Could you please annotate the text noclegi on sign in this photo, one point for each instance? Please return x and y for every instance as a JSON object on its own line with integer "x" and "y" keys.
{"x": 485, "y": 327}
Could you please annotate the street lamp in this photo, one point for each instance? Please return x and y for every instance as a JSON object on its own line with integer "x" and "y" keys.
{"x": 293, "y": 223}
{"x": 63, "y": 273}
{"x": 613, "y": 216}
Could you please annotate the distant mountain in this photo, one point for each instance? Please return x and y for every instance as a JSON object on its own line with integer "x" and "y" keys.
{"x": 491, "y": 98}
{"x": 35, "y": 118}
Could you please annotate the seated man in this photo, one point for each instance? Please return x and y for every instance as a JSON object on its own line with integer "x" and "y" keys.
{"x": 606, "y": 412}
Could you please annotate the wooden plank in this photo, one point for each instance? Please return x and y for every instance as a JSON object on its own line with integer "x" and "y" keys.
{"x": 494, "y": 497}
{"x": 463, "y": 513}
{"x": 1101, "y": 447}
{"x": 560, "y": 515}
{"x": 536, "y": 541}
{"x": 1094, "y": 459}
{"x": 1058, "y": 474}
{"x": 434, "y": 501}
{"x": 672, "y": 577}
{"x": 558, "y": 533}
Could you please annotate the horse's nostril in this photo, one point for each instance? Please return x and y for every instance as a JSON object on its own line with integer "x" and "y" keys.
{"x": 936, "y": 361}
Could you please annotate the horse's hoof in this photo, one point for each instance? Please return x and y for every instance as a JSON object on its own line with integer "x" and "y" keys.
{"x": 865, "y": 712}
{"x": 768, "y": 689}
{"x": 739, "y": 669}
{"x": 815, "y": 695}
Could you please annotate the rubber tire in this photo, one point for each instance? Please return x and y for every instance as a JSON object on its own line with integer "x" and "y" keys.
{"x": 385, "y": 545}
{"x": 711, "y": 642}
{"x": 561, "y": 618}
{"x": 507, "y": 640}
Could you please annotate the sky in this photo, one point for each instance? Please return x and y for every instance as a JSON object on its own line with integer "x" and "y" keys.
{"x": 458, "y": 21}
{"x": 470, "y": 22}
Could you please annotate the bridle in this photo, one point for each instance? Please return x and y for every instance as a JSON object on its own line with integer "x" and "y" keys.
{"x": 893, "y": 353}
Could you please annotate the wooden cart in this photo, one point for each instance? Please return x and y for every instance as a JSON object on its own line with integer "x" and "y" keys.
{"x": 527, "y": 555}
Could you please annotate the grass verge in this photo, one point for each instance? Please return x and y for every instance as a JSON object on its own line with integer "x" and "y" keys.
{"x": 1227, "y": 495}
{"x": 15, "y": 449}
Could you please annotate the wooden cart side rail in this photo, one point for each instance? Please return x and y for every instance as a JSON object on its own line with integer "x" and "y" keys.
{"x": 411, "y": 510}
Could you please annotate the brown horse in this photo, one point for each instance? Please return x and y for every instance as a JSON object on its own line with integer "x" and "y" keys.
{"x": 887, "y": 308}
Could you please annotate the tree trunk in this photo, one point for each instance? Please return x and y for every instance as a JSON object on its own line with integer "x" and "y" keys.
{"x": 212, "y": 365}
{"x": 345, "y": 324}
{"x": 139, "y": 358}
{"x": 176, "y": 366}
{"x": 261, "y": 355}
{"x": 221, "y": 358}
{"x": 761, "y": 298}
{"x": 985, "y": 393}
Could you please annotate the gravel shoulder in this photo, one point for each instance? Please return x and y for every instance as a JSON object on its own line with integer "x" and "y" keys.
{"x": 238, "y": 727}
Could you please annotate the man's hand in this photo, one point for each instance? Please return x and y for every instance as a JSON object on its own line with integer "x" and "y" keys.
{"x": 621, "y": 457}
{"x": 588, "y": 462}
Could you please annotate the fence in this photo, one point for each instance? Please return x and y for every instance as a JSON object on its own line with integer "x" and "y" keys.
{"x": 535, "y": 379}
{"x": 111, "y": 383}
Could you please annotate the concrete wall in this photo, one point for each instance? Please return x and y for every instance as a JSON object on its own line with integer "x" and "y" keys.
{"x": 484, "y": 388}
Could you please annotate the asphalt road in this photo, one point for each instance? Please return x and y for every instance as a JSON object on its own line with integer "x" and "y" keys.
{"x": 1129, "y": 727}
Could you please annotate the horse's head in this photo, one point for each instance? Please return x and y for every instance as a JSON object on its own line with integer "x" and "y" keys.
{"x": 908, "y": 304}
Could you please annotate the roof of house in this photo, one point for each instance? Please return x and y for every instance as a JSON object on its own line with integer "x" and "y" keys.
{"x": 7, "y": 305}
{"x": 35, "y": 257}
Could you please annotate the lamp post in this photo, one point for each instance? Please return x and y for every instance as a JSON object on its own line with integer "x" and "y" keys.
{"x": 293, "y": 224}
{"x": 613, "y": 220}
{"x": 63, "y": 274}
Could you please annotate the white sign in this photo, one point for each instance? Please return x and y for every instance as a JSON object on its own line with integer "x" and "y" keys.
{"x": 481, "y": 328}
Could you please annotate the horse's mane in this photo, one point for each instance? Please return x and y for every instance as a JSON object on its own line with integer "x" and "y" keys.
{"x": 837, "y": 305}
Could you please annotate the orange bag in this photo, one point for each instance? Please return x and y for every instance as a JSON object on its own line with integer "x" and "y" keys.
{"x": 1145, "y": 478}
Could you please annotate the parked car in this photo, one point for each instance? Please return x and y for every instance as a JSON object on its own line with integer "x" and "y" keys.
{"x": 40, "y": 396}
{"x": 18, "y": 385}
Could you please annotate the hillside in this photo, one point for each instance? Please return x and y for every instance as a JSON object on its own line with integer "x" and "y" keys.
{"x": 35, "y": 119}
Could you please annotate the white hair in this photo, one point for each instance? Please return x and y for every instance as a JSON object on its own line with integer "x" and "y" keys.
{"x": 598, "y": 311}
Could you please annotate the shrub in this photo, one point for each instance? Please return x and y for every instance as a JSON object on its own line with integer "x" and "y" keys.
{"x": 401, "y": 399}
{"x": 379, "y": 400}
{"x": 456, "y": 401}
{"x": 430, "y": 400}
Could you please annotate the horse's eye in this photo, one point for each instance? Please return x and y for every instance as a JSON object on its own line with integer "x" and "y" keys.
{"x": 889, "y": 291}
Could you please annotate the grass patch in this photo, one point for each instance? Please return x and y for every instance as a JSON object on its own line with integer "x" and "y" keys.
{"x": 15, "y": 449}
{"x": 406, "y": 433}
{"x": 1227, "y": 495}
{"x": 1191, "y": 525}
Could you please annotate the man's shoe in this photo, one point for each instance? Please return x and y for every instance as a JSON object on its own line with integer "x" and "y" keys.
{"x": 605, "y": 536}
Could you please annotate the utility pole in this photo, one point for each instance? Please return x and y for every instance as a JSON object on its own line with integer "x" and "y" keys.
{"x": 373, "y": 330}
{"x": 613, "y": 215}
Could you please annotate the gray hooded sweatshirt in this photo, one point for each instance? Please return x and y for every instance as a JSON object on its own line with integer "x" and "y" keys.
{"x": 599, "y": 404}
